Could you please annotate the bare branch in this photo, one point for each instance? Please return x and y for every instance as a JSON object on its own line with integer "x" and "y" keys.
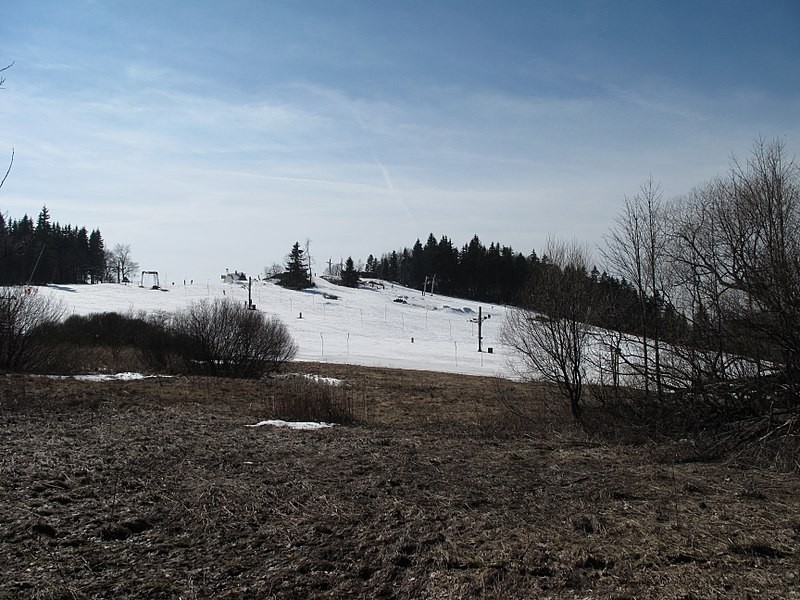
{"x": 3, "y": 79}
{"x": 553, "y": 346}
{"x": 11, "y": 162}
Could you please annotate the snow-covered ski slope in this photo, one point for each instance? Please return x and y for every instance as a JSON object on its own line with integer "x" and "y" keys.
{"x": 365, "y": 326}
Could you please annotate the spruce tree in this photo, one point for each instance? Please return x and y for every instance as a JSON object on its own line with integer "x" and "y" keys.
{"x": 350, "y": 275}
{"x": 97, "y": 257}
{"x": 296, "y": 276}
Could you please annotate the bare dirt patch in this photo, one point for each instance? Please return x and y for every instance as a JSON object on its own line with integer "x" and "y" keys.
{"x": 157, "y": 489}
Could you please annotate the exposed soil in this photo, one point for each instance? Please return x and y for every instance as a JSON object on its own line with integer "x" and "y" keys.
{"x": 157, "y": 489}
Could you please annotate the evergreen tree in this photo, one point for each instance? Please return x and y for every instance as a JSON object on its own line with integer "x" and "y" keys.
{"x": 296, "y": 275}
{"x": 43, "y": 224}
{"x": 429, "y": 258}
{"x": 371, "y": 267}
{"x": 383, "y": 268}
{"x": 44, "y": 252}
{"x": 96, "y": 257}
{"x": 42, "y": 258}
{"x": 471, "y": 268}
{"x": 350, "y": 276}
{"x": 393, "y": 273}
{"x": 446, "y": 266}
{"x": 414, "y": 275}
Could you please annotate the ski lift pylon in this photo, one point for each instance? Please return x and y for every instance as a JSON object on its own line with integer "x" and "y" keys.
{"x": 154, "y": 277}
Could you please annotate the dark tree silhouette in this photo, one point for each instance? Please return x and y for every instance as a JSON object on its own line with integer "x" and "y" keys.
{"x": 296, "y": 275}
{"x": 350, "y": 276}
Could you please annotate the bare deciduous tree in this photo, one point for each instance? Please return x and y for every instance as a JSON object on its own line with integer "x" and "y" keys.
{"x": 636, "y": 248}
{"x": 273, "y": 270}
{"x": 552, "y": 346}
{"x": 123, "y": 263}
{"x": 739, "y": 245}
{"x": 698, "y": 293}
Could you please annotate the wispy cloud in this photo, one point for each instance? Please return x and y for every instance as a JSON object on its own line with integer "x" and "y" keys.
{"x": 231, "y": 133}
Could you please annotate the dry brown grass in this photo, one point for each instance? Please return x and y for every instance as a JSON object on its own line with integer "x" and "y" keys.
{"x": 446, "y": 487}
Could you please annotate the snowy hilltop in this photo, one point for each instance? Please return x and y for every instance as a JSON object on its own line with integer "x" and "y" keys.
{"x": 378, "y": 324}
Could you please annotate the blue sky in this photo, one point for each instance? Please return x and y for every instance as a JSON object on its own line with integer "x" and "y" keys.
{"x": 213, "y": 135}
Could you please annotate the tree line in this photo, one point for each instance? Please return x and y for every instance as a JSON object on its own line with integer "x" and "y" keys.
{"x": 47, "y": 252}
{"x": 497, "y": 274}
{"x": 494, "y": 274}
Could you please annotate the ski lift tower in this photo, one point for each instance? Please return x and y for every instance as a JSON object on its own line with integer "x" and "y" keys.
{"x": 154, "y": 277}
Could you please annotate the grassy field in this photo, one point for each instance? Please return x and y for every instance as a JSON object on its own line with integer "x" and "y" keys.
{"x": 445, "y": 486}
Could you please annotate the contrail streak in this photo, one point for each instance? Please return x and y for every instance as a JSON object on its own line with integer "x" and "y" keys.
{"x": 393, "y": 190}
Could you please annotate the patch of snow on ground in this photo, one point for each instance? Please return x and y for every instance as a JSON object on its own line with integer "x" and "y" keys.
{"x": 305, "y": 425}
{"x": 321, "y": 379}
{"x": 106, "y": 377}
{"x": 311, "y": 377}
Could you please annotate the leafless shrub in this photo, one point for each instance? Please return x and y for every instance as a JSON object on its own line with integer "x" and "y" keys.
{"x": 224, "y": 337}
{"x": 22, "y": 314}
{"x": 552, "y": 347}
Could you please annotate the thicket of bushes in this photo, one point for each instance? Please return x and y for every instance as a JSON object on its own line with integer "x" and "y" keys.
{"x": 213, "y": 338}
{"x": 224, "y": 337}
{"x": 22, "y": 312}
